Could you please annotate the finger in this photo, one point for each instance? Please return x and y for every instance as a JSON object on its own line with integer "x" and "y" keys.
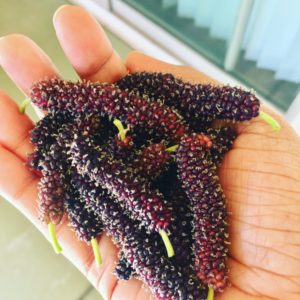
{"x": 139, "y": 62}
{"x": 102, "y": 278}
{"x": 24, "y": 62}
{"x": 14, "y": 128}
{"x": 19, "y": 186}
{"x": 89, "y": 50}
{"x": 122, "y": 292}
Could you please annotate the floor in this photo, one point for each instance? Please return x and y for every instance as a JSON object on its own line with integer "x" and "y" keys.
{"x": 28, "y": 265}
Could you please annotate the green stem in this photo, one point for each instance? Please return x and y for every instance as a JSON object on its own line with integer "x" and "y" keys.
{"x": 172, "y": 148}
{"x": 210, "y": 293}
{"x": 96, "y": 251}
{"x": 53, "y": 238}
{"x": 122, "y": 130}
{"x": 23, "y": 105}
{"x": 270, "y": 120}
{"x": 167, "y": 243}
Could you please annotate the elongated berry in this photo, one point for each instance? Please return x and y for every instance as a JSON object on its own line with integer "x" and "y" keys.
{"x": 200, "y": 101}
{"x": 108, "y": 99}
{"x": 222, "y": 140}
{"x": 123, "y": 269}
{"x": 45, "y": 131}
{"x": 51, "y": 195}
{"x": 145, "y": 253}
{"x": 182, "y": 234}
{"x": 201, "y": 183}
{"x": 130, "y": 189}
{"x": 84, "y": 222}
{"x": 55, "y": 167}
{"x": 43, "y": 135}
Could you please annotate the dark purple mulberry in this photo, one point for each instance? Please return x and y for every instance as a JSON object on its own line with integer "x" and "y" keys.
{"x": 85, "y": 222}
{"x": 107, "y": 99}
{"x": 181, "y": 228}
{"x": 145, "y": 252}
{"x": 45, "y": 131}
{"x": 200, "y": 101}
{"x": 43, "y": 135}
{"x": 34, "y": 159}
{"x": 130, "y": 189}
{"x": 201, "y": 183}
{"x": 123, "y": 269}
{"x": 55, "y": 168}
{"x": 222, "y": 140}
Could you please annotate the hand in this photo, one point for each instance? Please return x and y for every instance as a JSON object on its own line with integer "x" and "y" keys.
{"x": 260, "y": 175}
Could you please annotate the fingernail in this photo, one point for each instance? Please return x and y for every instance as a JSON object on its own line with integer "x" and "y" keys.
{"x": 58, "y": 10}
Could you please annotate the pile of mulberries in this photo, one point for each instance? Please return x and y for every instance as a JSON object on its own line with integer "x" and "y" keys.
{"x": 139, "y": 160}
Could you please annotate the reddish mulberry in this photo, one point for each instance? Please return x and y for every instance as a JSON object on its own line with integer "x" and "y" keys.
{"x": 107, "y": 99}
{"x": 151, "y": 161}
{"x": 130, "y": 189}
{"x": 119, "y": 149}
{"x": 146, "y": 254}
{"x": 201, "y": 183}
{"x": 200, "y": 101}
{"x": 51, "y": 196}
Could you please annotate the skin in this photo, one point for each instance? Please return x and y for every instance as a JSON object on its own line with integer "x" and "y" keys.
{"x": 260, "y": 175}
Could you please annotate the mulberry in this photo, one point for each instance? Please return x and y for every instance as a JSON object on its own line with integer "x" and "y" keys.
{"x": 145, "y": 253}
{"x": 151, "y": 161}
{"x": 200, "y": 101}
{"x": 120, "y": 149}
{"x": 51, "y": 196}
{"x": 201, "y": 183}
{"x": 84, "y": 222}
{"x": 107, "y": 99}
{"x": 181, "y": 228}
{"x": 56, "y": 166}
{"x": 43, "y": 135}
{"x": 45, "y": 131}
{"x": 130, "y": 189}
{"x": 34, "y": 159}
{"x": 123, "y": 269}
{"x": 222, "y": 140}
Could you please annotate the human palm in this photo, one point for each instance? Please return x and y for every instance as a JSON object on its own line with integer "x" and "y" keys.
{"x": 260, "y": 175}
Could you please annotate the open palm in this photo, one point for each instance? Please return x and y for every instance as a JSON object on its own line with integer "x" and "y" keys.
{"x": 260, "y": 175}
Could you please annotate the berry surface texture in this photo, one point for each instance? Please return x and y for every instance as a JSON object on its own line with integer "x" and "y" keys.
{"x": 138, "y": 159}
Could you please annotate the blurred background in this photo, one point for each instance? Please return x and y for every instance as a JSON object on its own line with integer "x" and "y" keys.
{"x": 253, "y": 43}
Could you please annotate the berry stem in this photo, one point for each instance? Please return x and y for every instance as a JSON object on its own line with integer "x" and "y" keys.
{"x": 172, "y": 148}
{"x": 210, "y": 293}
{"x": 122, "y": 130}
{"x": 270, "y": 120}
{"x": 53, "y": 238}
{"x": 23, "y": 105}
{"x": 96, "y": 251}
{"x": 167, "y": 243}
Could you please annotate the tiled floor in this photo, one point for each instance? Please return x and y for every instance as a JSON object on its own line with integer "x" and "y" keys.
{"x": 29, "y": 269}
